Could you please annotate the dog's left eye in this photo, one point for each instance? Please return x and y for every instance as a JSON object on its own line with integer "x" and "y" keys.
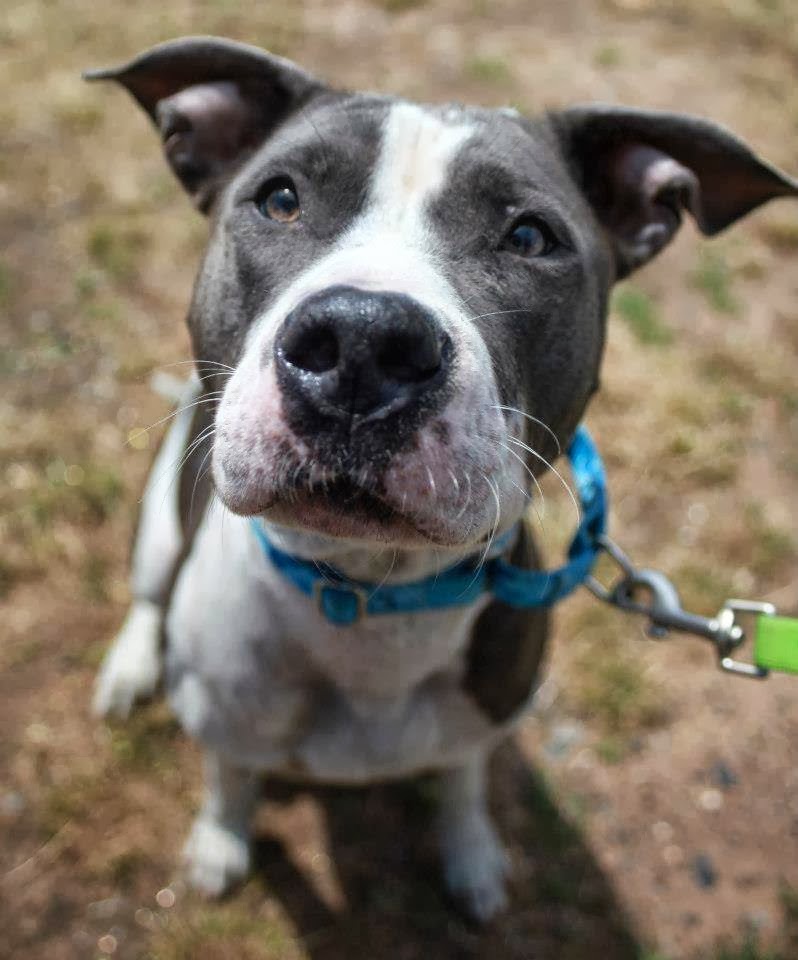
{"x": 530, "y": 238}
{"x": 278, "y": 200}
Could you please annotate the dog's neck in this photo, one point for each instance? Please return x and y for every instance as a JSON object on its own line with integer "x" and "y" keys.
{"x": 378, "y": 563}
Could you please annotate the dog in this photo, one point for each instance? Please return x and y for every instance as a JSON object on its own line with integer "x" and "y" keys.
{"x": 398, "y": 322}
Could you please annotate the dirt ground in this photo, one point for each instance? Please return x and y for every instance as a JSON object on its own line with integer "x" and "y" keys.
{"x": 651, "y": 804}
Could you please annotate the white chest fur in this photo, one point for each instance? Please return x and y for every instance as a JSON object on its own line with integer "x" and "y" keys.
{"x": 255, "y": 670}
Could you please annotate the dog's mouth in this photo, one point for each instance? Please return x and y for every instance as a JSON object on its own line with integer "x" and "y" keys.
{"x": 344, "y": 494}
{"x": 344, "y": 508}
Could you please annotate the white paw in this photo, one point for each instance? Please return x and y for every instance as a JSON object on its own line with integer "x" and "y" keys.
{"x": 132, "y": 667}
{"x": 474, "y": 867}
{"x": 215, "y": 857}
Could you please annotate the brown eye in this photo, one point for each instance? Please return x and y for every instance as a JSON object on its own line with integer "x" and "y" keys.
{"x": 278, "y": 201}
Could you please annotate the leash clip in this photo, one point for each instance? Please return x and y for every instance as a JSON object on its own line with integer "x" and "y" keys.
{"x": 665, "y": 613}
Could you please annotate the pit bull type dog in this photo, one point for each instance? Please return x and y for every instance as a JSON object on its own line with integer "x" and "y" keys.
{"x": 398, "y": 321}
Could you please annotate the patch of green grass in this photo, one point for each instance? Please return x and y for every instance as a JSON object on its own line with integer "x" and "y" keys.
{"x": 611, "y": 749}
{"x": 491, "y": 70}
{"x": 146, "y": 740}
{"x": 209, "y": 931}
{"x": 399, "y": 6}
{"x": 770, "y": 546}
{"x": 607, "y": 56}
{"x": 713, "y": 278}
{"x": 89, "y": 657}
{"x": 68, "y": 801}
{"x": 613, "y": 689}
{"x": 94, "y": 576}
{"x": 636, "y": 308}
{"x": 86, "y": 492}
{"x": 9, "y": 575}
{"x": 6, "y": 285}
{"x": 736, "y": 407}
{"x": 87, "y": 283}
{"x": 117, "y": 251}
{"x": 749, "y": 950}
{"x": 690, "y": 409}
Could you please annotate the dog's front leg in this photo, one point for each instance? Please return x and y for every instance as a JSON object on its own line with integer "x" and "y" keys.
{"x": 474, "y": 862}
{"x": 217, "y": 851}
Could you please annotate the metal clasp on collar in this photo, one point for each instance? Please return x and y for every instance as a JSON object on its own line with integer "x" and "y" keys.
{"x": 665, "y": 613}
{"x": 320, "y": 587}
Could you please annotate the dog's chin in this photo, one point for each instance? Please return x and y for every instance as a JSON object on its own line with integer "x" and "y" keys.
{"x": 343, "y": 510}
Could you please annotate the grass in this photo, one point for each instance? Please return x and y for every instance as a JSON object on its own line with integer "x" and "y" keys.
{"x": 615, "y": 692}
{"x": 399, "y": 6}
{"x": 749, "y": 950}
{"x": 490, "y": 70}
{"x": 94, "y": 575}
{"x": 6, "y": 284}
{"x": 607, "y": 56}
{"x": 210, "y": 932}
{"x": 71, "y": 800}
{"x": 117, "y": 251}
{"x": 641, "y": 314}
{"x": 713, "y": 278}
{"x": 146, "y": 741}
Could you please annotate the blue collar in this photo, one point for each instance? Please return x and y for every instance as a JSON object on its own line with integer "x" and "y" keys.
{"x": 343, "y": 602}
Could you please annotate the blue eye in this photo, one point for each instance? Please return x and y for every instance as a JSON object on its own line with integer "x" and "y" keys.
{"x": 530, "y": 238}
{"x": 278, "y": 200}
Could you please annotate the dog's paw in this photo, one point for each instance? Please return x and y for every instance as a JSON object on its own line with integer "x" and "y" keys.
{"x": 132, "y": 667}
{"x": 215, "y": 857}
{"x": 474, "y": 868}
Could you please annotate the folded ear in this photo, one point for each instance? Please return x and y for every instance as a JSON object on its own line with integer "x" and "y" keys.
{"x": 214, "y": 102}
{"x": 640, "y": 169}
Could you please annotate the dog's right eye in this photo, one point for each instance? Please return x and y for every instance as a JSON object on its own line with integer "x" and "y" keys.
{"x": 277, "y": 199}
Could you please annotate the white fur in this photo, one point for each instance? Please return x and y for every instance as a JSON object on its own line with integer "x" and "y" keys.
{"x": 216, "y": 854}
{"x": 132, "y": 667}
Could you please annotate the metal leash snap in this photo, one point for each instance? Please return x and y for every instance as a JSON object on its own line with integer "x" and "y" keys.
{"x": 664, "y": 610}
{"x": 727, "y": 617}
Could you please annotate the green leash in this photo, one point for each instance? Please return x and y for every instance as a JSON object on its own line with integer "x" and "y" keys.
{"x": 775, "y": 646}
{"x": 776, "y": 643}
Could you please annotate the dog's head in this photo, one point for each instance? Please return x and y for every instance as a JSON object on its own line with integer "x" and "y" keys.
{"x": 403, "y": 306}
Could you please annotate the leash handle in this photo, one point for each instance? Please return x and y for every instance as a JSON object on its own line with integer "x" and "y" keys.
{"x": 775, "y": 638}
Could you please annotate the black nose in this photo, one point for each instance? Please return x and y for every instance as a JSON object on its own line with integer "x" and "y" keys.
{"x": 355, "y": 355}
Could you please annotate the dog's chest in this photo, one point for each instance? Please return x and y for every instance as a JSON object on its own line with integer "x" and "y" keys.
{"x": 256, "y": 669}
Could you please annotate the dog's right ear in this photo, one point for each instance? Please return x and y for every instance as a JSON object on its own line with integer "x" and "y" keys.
{"x": 214, "y": 102}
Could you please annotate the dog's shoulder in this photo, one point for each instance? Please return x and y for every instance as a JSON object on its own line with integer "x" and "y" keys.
{"x": 506, "y": 647}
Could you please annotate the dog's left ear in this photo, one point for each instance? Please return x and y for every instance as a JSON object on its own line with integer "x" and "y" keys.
{"x": 214, "y": 102}
{"x": 640, "y": 169}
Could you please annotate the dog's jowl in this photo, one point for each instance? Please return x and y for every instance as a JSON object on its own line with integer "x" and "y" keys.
{"x": 397, "y": 324}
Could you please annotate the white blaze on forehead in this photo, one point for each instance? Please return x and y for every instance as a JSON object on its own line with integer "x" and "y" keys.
{"x": 416, "y": 153}
{"x": 390, "y": 244}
